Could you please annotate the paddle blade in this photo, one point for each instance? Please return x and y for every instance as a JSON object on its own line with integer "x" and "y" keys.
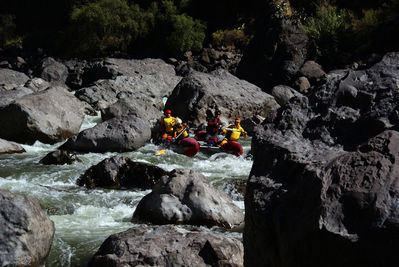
{"x": 160, "y": 152}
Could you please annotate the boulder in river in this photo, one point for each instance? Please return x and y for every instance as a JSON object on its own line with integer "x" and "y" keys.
{"x": 59, "y": 157}
{"x": 119, "y": 134}
{"x": 50, "y": 116}
{"x": 121, "y": 172}
{"x": 186, "y": 197}
{"x": 26, "y": 232}
{"x": 7, "y": 147}
{"x": 168, "y": 246}
{"x": 200, "y": 94}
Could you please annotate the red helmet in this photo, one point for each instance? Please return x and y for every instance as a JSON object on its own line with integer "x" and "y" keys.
{"x": 238, "y": 119}
{"x": 168, "y": 111}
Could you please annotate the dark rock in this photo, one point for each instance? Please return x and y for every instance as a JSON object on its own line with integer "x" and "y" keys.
{"x": 119, "y": 134}
{"x": 7, "y": 147}
{"x": 59, "y": 157}
{"x": 121, "y": 172}
{"x": 26, "y": 232}
{"x": 186, "y": 197}
{"x": 168, "y": 246}
{"x": 50, "y": 116}
{"x": 274, "y": 55}
{"x": 199, "y": 94}
{"x": 53, "y": 71}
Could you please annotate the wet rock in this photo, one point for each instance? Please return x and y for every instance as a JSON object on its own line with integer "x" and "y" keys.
{"x": 119, "y": 134}
{"x": 7, "y": 147}
{"x": 26, "y": 232}
{"x": 50, "y": 116}
{"x": 199, "y": 94}
{"x": 59, "y": 157}
{"x": 121, "y": 172}
{"x": 186, "y": 197}
{"x": 168, "y": 246}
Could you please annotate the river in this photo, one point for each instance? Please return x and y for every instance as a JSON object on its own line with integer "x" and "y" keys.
{"x": 85, "y": 218}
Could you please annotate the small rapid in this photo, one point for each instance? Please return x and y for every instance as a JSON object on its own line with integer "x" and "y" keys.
{"x": 84, "y": 218}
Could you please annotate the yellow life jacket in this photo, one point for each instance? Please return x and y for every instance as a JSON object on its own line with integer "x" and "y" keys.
{"x": 168, "y": 123}
{"x": 179, "y": 130}
{"x": 235, "y": 135}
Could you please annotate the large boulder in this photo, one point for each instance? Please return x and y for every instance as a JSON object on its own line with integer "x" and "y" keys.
{"x": 149, "y": 79}
{"x": 186, "y": 197}
{"x": 168, "y": 246}
{"x": 50, "y": 116}
{"x": 199, "y": 94}
{"x": 119, "y": 134}
{"x": 323, "y": 185}
{"x": 10, "y": 79}
{"x": 7, "y": 147}
{"x": 275, "y": 54}
{"x": 26, "y": 232}
{"x": 311, "y": 205}
{"x": 120, "y": 172}
{"x": 7, "y": 97}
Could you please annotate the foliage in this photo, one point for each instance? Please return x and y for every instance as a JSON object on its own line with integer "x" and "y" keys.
{"x": 326, "y": 33}
{"x": 7, "y": 29}
{"x": 234, "y": 38}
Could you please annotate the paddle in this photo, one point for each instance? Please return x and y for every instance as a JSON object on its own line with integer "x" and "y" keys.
{"x": 163, "y": 151}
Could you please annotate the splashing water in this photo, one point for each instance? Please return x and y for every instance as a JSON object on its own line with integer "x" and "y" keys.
{"x": 85, "y": 218}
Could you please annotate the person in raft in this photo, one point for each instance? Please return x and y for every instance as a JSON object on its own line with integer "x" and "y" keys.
{"x": 233, "y": 132}
{"x": 179, "y": 130}
{"x": 213, "y": 129}
{"x": 167, "y": 123}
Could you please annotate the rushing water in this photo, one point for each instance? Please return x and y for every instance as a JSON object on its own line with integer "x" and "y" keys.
{"x": 84, "y": 218}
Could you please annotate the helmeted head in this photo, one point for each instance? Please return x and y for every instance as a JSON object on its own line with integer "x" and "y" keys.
{"x": 178, "y": 122}
{"x": 237, "y": 120}
{"x": 168, "y": 112}
{"x": 217, "y": 113}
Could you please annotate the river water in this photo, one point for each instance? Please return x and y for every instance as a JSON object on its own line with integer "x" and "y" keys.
{"x": 85, "y": 218}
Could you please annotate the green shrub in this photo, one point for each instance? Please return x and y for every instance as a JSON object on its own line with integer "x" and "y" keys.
{"x": 101, "y": 26}
{"x": 7, "y": 29}
{"x": 326, "y": 32}
{"x": 235, "y": 38}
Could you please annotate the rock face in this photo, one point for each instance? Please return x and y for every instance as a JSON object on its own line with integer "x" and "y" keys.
{"x": 50, "y": 116}
{"x": 168, "y": 246}
{"x": 274, "y": 55}
{"x": 324, "y": 182}
{"x": 149, "y": 80}
{"x": 186, "y": 197}
{"x": 121, "y": 172}
{"x": 197, "y": 96}
{"x": 7, "y": 147}
{"x": 120, "y": 134}
{"x": 10, "y": 79}
{"x": 26, "y": 232}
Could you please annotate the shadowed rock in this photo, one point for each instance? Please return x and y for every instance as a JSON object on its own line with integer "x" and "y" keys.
{"x": 59, "y": 157}
{"x": 168, "y": 246}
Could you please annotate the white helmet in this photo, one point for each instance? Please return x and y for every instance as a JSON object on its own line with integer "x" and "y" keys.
{"x": 178, "y": 121}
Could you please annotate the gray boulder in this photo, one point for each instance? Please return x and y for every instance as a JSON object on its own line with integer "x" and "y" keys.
{"x": 168, "y": 246}
{"x": 53, "y": 72}
{"x": 199, "y": 94}
{"x": 7, "y": 97}
{"x": 120, "y": 134}
{"x": 26, "y": 232}
{"x": 283, "y": 94}
{"x": 50, "y": 116}
{"x": 10, "y": 79}
{"x": 7, "y": 147}
{"x": 121, "y": 172}
{"x": 186, "y": 197}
